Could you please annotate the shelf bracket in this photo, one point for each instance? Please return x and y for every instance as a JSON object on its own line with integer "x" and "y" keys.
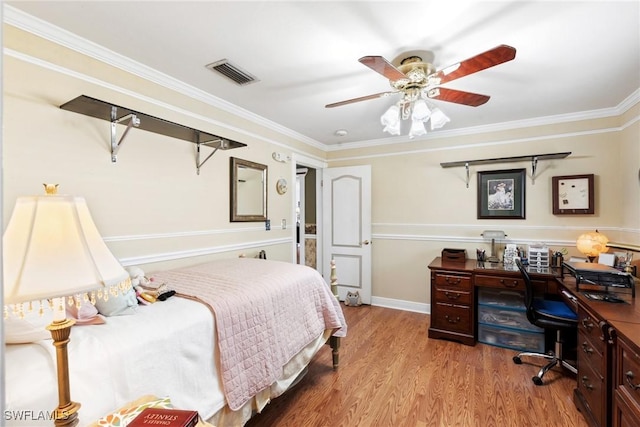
{"x": 133, "y": 121}
{"x": 466, "y": 166}
{"x": 534, "y": 166}
{"x": 217, "y": 145}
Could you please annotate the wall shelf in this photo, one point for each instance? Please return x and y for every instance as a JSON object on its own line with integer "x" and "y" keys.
{"x": 119, "y": 115}
{"x": 533, "y": 157}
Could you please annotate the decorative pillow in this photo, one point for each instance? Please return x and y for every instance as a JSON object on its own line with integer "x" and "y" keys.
{"x": 127, "y": 413}
{"x": 123, "y": 303}
{"x": 87, "y": 314}
{"x": 29, "y": 329}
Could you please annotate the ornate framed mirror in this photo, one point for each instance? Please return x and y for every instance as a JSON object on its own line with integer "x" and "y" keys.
{"x": 248, "y": 191}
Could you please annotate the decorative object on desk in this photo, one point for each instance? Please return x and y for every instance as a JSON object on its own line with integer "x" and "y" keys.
{"x": 53, "y": 251}
{"x": 501, "y": 194}
{"x": 353, "y": 299}
{"x": 607, "y": 259}
{"x": 165, "y": 417}
{"x": 573, "y": 195}
{"x": 539, "y": 256}
{"x": 493, "y": 235}
{"x": 455, "y": 255}
{"x": 481, "y": 255}
{"x": 510, "y": 253}
{"x": 592, "y": 244}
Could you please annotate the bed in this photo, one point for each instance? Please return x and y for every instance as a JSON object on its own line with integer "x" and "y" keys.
{"x": 237, "y": 334}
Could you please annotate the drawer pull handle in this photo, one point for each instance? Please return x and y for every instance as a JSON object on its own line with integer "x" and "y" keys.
{"x": 586, "y": 384}
{"x": 452, "y": 281}
{"x": 511, "y": 284}
{"x": 587, "y": 324}
{"x": 629, "y": 376}
{"x": 451, "y": 295}
{"x": 450, "y": 320}
{"x": 586, "y": 348}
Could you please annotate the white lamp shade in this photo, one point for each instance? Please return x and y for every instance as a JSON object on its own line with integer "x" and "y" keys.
{"x": 421, "y": 111}
{"x": 52, "y": 248}
{"x": 391, "y": 116}
{"x": 438, "y": 119}
{"x": 417, "y": 129}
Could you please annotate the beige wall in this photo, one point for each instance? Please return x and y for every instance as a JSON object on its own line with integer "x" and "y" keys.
{"x": 155, "y": 211}
{"x": 151, "y": 206}
{"x": 420, "y": 207}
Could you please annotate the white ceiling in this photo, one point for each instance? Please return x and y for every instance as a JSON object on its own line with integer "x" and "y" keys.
{"x": 572, "y": 57}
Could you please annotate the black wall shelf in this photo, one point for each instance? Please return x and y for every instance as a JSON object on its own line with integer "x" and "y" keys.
{"x": 119, "y": 115}
{"x": 533, "y": 157}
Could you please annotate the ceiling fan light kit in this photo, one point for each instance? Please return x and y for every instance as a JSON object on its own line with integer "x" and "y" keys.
{"x": 418, "y": 82}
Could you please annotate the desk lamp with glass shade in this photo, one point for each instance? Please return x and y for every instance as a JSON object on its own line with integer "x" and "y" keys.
{"x": 592, "y": 244}
{"x": 54, "y": 255}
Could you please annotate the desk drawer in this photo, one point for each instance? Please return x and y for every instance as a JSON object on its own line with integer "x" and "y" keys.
{"x": 591, "y": 387}
{"x": 628, "y": 375}
{"x": 590, "y": 328}
{"x": 453, "y": 281}
{"x": 513, "y": 283}
{"x": 450, "y": 296}
{"x": 452, "y": 318}
{"x": 590, "y": 352}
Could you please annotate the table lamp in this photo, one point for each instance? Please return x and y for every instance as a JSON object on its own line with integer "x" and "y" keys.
{"x": 493, "y": 235}
{"x": 54, "y": 254}
{"x": 592, "y": 244}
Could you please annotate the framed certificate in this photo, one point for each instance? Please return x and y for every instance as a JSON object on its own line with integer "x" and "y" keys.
{"x": 573, "y": 195}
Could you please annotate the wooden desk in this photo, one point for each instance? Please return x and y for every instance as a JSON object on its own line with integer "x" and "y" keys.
{"x": 608, "y": 380}
{"x": 453, "y": 293}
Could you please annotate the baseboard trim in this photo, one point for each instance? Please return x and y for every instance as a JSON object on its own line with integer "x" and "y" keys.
{"x": 398, "y": 304}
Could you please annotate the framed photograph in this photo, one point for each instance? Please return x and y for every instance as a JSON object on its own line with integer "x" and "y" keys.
{"x": 573, "y": 195}
{"x": 501, "y": 194}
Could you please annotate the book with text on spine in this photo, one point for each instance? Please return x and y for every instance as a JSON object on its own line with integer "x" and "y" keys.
{"x": 161, "y": 417}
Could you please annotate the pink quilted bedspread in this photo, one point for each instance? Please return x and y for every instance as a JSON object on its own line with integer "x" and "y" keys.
{"x": 265, "y": 313}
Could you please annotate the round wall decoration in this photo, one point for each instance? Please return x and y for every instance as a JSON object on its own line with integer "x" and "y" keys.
{"x": 281, "y": 186}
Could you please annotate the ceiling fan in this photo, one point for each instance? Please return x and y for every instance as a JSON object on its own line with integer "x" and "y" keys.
{"x": 417, "y": 79}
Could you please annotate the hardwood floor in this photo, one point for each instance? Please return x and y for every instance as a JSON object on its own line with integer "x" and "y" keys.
{"x": 391, "y": 374}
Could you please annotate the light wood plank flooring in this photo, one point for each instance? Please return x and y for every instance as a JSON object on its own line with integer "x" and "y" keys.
{"x": 391, "y": 374}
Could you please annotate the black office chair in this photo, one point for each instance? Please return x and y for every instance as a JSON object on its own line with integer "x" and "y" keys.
{"x": 550, "y": 315}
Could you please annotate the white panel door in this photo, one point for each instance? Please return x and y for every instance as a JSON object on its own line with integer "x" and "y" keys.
{"x": 346, "y": 202}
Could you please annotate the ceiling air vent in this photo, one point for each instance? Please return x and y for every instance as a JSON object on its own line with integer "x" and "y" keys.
{"x": 232, "y": 72}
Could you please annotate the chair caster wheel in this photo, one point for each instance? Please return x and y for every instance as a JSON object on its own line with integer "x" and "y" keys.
{"x": 517, "y": 360}
{"x": 537, "y": 380}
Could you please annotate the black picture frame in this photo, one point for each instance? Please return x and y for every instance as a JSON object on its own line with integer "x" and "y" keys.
{"x": 573, "y": 194}
{"x": 502, "y": 194}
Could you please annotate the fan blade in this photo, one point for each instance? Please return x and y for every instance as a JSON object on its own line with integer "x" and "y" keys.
{"x": 362, "y": 98}
{"x": 382, "y": 66}
{"x": 458, "y": 96}
{"x": 490, "y": 58}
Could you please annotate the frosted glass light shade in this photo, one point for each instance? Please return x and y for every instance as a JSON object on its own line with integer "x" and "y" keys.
{"x": 391, "y": 120}
{"x": 52, "y": 248}
{"x": 438, "y": 119}
{"x": 417, "y": 129}
{"x": 421, "y": 111}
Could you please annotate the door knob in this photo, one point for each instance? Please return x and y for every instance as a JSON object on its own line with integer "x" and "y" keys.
{"x": 366, "y": 242}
